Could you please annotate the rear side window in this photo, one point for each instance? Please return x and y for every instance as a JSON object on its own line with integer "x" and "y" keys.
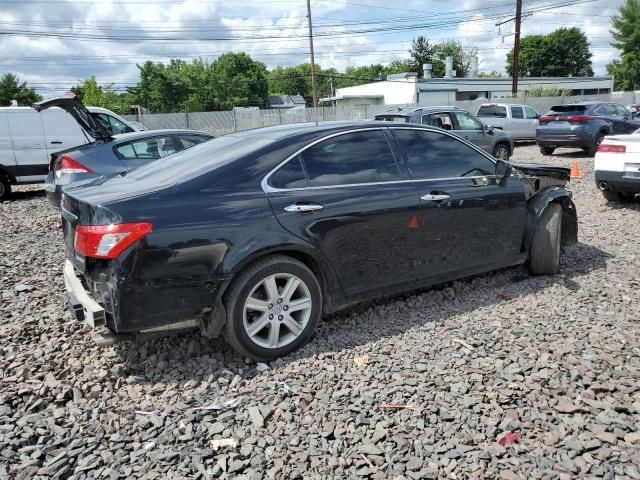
{"x": 189, "y": 141}
{"x": 492, "y": 111}
{"x": 146, "y": 149}
{"x": 516, "y": 112}
{"x": 360, "y": 157}
{"x": 290, "y": 175}
{"x": 440, "y": 120}
{"x": 432, "y": 155}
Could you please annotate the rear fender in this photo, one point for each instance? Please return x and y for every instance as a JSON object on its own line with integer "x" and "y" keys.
{"x": 539, "y": 202}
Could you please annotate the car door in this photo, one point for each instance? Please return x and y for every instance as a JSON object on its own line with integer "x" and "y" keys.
{"x": 472, "y": 129}
{"x": 346, "y": 196}
{"x": 470, "y": 222}
{"x": 518, "y": 122}
{"x": 28, "y": 142}
{"x": 61, "y": 131}
{"x": 532, "y": 122}
{"x": 142, "y": 151}
{"x": 626, "y": 124}
{"x": 7, "y": 159}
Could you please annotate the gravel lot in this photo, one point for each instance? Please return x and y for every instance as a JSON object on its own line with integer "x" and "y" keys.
{"x": 554, "y": 359}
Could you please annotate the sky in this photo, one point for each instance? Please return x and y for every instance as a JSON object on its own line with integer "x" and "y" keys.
{"x": 55, "y": 44}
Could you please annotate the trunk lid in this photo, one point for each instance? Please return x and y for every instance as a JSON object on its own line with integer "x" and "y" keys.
{"x": 541, "y": 170}
{"x": 74, "y": 107}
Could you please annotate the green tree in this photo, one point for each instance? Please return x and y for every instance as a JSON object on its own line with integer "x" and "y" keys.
{"x": 238, "y": 81}
{"x": 90, "y": 93}
{"x": 421, "y": 52}
{"x": 626, "y": 38}
{"x": 562, "y": 53}
{"x": 12, "y": 89}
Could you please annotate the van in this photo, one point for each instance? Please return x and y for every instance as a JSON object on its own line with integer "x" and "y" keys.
{"x": 28, "y": 138}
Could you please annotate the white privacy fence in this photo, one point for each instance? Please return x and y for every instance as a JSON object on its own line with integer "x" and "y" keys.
{"x": 221, "y": 123}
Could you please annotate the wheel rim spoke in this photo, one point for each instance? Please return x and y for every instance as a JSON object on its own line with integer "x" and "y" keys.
{"x": 290, "y": 288}
{"x": 274, "y": 333}
{"x": 299, "y": 304}
{"x": 271, "y": 288}
{"x": 258, "y": 325}
{"x": 293, "y": 326}
{"x": 258, "y": 305}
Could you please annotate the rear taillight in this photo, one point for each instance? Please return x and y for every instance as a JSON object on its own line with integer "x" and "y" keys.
{"x": 69, "y": 166}
{"x": 108, "y": 241}
{"x": 605, "y": 148}
{"x": 565, "y": 118}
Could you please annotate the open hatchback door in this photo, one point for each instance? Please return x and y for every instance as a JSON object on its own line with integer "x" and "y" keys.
{"x": 72, "y": 105}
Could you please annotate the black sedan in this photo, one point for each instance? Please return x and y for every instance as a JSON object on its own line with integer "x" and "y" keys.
{"x": 255, "y": 235}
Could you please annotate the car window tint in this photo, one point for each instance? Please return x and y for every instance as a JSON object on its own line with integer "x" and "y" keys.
{"x": 146, "y": 149}
{"x": 492, "y": 111}
{"x": 516, "y": 112}
{"x": 605, "y": 109}
{"x": 392, "y": 118}
{"x": 290, "y": 175}
{"x": 620, "y": 110}
{"x": 189, "y": 141}
{"x": 111, "y": 123}
{"x": 530, "y": 113}
{"x": 467, "y": 122}
{"x": 435, "y": 155}
{"x": 440, "y": 120}
{"x": 360, "y": 157}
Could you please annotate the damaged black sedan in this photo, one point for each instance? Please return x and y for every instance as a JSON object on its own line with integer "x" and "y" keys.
{"x": 256, "y": 235}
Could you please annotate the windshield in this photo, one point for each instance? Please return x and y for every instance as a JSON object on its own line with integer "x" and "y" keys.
{"x": 194, "y": 161}
{"x": 492, "y": 111}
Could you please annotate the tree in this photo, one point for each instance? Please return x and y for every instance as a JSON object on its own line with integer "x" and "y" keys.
{"x": 239, "y": 81}
{"x": 90, "y": 93}
{"x": 625, "y": 27}
{"x": 421, "y": 52}
{"x": 562, "y": 53}
{"x": 12, "y": 89}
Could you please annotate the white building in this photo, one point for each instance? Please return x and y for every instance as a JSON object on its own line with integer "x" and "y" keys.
{"x": 407, "y": 88}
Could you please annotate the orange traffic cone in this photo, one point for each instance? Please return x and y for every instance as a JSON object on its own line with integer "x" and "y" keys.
{"x": 575, "y": 171}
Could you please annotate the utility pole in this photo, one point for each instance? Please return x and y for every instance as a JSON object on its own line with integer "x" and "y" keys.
{"x": 515, "y": 70}
{"x": 313, "y": 68}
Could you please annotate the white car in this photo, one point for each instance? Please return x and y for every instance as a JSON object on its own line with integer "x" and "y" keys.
{"x": 617, "y": 167}
{"x": 29, "y": 138}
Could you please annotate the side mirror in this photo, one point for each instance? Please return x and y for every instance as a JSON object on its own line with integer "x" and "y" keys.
{"x": 490, "y": 128}
{"x": 503, "y": 172}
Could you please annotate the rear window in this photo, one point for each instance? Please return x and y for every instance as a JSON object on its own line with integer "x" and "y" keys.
{"x": 492, "y": 111}
{"x": 202, "y": 158}
{"x": 393, "y": 118}
{"x": 567, "y": 110}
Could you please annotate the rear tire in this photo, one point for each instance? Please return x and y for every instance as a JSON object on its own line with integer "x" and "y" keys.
{"x": 546, "y": 151}
{"x": 544, "y": 255}
{"x": 591, "y": 151}
{"x": 5, "y": 188}
{"x": 610, "y": 196}
{"x": 257, "y": 303}
{"x": 501, "y": 152}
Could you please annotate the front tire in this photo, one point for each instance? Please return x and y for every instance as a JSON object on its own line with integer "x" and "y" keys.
{"x": 544, "y": 255}
{"x": 501, "y": 152}
{"x": 273, "y": 307}
{"x": 591, "y": 151}
{"x": 5, "y": 188}
{"x": 547, "y": 151}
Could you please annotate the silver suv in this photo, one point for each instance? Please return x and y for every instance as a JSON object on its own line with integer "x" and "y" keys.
{"x": 496, "y": 142}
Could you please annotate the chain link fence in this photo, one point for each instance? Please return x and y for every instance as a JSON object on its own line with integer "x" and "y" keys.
{"x": 221, "y": 123}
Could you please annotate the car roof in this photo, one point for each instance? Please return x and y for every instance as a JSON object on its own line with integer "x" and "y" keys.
{"x": 410, "y": 110}
{"x": 279, "y": 132}
{"x": 154, "y": 133}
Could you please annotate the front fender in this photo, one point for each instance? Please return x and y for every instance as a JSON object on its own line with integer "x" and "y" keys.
{"x": 539, "y": 202}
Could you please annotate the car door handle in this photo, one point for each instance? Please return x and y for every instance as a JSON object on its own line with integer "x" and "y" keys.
{"x": 56, "y": 142}
{"x": 301, "y": 207}
{"x": 435, "y": 197}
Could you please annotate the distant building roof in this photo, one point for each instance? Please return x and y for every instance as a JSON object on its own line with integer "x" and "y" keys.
{"x": 285, "y": 101}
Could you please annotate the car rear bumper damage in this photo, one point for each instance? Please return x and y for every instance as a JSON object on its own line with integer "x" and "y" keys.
{"x": 82, "y": 306}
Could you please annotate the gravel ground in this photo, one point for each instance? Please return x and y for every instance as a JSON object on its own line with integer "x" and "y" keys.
{"x": 555, "y": 360}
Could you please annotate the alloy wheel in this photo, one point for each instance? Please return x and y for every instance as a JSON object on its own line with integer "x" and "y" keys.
{"x": 502, "y": 153}
{"x": 277, "y": 310}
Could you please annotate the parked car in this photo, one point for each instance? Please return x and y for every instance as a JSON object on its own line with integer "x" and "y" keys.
{"x": 138, "y": 126}
{"x": 520, "y": 121}
{"x": 28, "y": 138}
{"x": 108, "y": 154}
{"x": 583, "y": 125}
{"x": 462, "y": 123}
{"x": 617, "y": 167}
{"x": 256, "y": 234}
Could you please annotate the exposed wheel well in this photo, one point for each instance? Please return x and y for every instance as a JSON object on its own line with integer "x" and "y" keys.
{"x": 5, "y": 174}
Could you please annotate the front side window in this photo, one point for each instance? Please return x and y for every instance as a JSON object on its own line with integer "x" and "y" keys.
{"x": 432, "y": 155}
{"x": 112, "y": 124}
{"x": 620, "y": 110}
{"x": 605, "y": 109}
{"x": 467, "y": 122}
{"x": 352, "y": 158}
{"x": 147, "y": 149}
{"x": 516, "y": 112}
{"x": 530, "y": 113}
